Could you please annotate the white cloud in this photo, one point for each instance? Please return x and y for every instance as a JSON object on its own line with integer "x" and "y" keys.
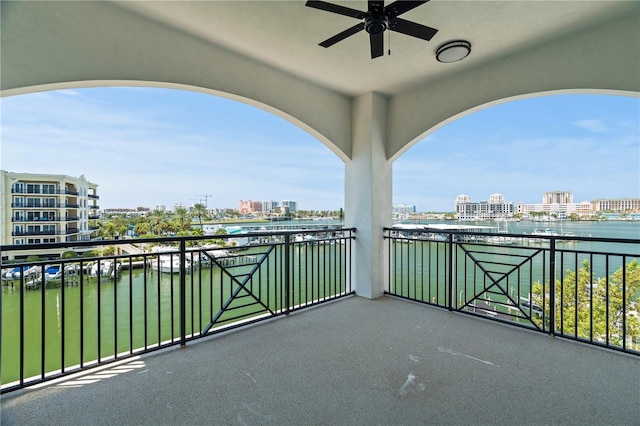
{"x": 149, "y": 147}
{"x": 596, "y": 126}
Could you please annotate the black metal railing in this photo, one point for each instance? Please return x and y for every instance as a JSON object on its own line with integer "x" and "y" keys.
{"x": 38, "y": 219}
{"x": 36, "y": 232}
{"x": 121, "y": 298}
{"x": 586, "y": 289}
{"x": 36, "y": 205}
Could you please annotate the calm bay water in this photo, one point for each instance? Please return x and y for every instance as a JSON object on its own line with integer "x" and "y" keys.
{"x": 142, "y": 308}
{"x": 63, "y": 309}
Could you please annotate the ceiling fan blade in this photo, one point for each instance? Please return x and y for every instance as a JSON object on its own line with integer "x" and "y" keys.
{"x": 340, "y": 10}
{"x": 412, "y": 29}
{"x": 341, "y": 36}
{"x": 377, "y": 44}
{"x": 397, "y": 8}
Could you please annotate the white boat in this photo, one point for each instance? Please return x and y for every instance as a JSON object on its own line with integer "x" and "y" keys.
{"x": 52, "y": 272}
{"x": 14, "y": 273}
{"x": 27, "y": 272}
{"x": 166, "y": 264}
{"x": 499, "y": 239}
{"x": 545, "y": 232}
{"x": 108, "y": 269}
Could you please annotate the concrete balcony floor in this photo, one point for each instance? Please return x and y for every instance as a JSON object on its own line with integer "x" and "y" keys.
{"x": 354, "y": 361}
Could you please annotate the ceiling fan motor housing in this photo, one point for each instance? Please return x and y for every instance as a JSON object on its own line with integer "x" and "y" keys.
{"x": 376, "y": 24}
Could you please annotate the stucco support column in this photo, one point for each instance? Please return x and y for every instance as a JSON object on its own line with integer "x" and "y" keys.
{"x": 368, "y": 192}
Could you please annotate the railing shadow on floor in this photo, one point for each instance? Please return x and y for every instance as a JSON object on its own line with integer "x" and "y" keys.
{"x": 64, "y": 315}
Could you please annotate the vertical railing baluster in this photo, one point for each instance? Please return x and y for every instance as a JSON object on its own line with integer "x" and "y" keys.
{"x": 22, "y": 326}
{"x": 62, "y": 318}
{"x": 130, "y": 303}
{"x": 99, "y": 312}
{"x": 624, "y": 302}
{"x": 606, "y": 283}
{"x": 450, "y": 272}
{"x": 552, "y": 286}
{"x": 115, "y": 311}
{"x": 159, "y": 300}
{"x": 145, "y": 296}
{"x": 81, "y": 284}
{"x": 183, "y": 294}
{"x": 287, "y": 254}
{"x": 43, "y": 337}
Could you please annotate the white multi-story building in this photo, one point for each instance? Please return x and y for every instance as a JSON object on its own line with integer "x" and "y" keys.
{"x": 559, "y": 204}
{"x": 557, "y": 197}
{"x": 291, "y": 205}
{"x": 617, "y": 205}
{"x": 404, "y": 209}
{"x": 270, "y": 206}
{"x": 43, "y": 208}
{"x": 494, "y": 208}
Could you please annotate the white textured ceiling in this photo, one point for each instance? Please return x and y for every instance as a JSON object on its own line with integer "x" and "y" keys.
{"x": 285, "y": 35}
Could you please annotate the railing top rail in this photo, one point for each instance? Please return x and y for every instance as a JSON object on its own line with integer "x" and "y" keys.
{"x": 498, "y": 234}
{"x": 94, "y": 243}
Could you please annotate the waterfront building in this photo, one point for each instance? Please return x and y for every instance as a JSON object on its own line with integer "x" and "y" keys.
{"x": 557, "y": 203}
{"x": 136, "y": 212}
{"x": 493, "y": 208}
{"x": 45, "y": 208}
{"x": 557, "y": 197}
{"x": 249, "y": 206}
{"x": 269, "y": 206}
{"x": 291, "y": 205}
{"x": 404, "y": 209}
{"x": 616, "y": 205}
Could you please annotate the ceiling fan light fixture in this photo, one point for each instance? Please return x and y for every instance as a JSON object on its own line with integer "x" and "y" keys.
{"x": 453, "y": 51}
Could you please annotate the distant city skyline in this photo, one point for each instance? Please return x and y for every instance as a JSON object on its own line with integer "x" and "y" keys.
{"x": 148, "y": 147}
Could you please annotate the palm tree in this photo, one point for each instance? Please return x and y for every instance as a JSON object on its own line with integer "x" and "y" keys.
{"x": 200, "y": 211}
{"x": 181, "y": 215}
{"x": 157, "y": 217}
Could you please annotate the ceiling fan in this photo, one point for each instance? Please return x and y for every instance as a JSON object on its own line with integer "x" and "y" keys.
{"x": 376, "y": 20}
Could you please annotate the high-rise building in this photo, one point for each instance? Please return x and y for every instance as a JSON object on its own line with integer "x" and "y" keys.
{"x": 292, "y": 205}
{"x": 249, "y": 206}
{"x": 494, "y": 208}
{"x": 42, "y": 208}
{"x": 269, "y": 206}
{"x": 496, "y": 199}
{"x": 404, "y": 209}
{"x": 557, "y": 197}
{"x": 557, "y": 203}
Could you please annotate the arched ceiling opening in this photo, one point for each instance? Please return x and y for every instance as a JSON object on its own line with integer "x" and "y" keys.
{"x": 293, "y": 119}
{"x": 268, "y": 53}
{"x": 154, "y": 146}
{"x": 481, "y": 107}
{"x": 581, "y": 142}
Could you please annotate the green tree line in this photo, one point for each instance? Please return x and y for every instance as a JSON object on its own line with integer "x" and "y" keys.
{"x": 157, "y": 223}
{"x": 596, "y": 307}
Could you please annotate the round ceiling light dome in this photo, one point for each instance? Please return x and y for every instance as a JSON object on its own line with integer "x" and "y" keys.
{"x": 453, "y": 51}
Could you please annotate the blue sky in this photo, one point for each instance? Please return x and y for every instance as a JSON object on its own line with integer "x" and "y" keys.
{"x": 148, "y": 147}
